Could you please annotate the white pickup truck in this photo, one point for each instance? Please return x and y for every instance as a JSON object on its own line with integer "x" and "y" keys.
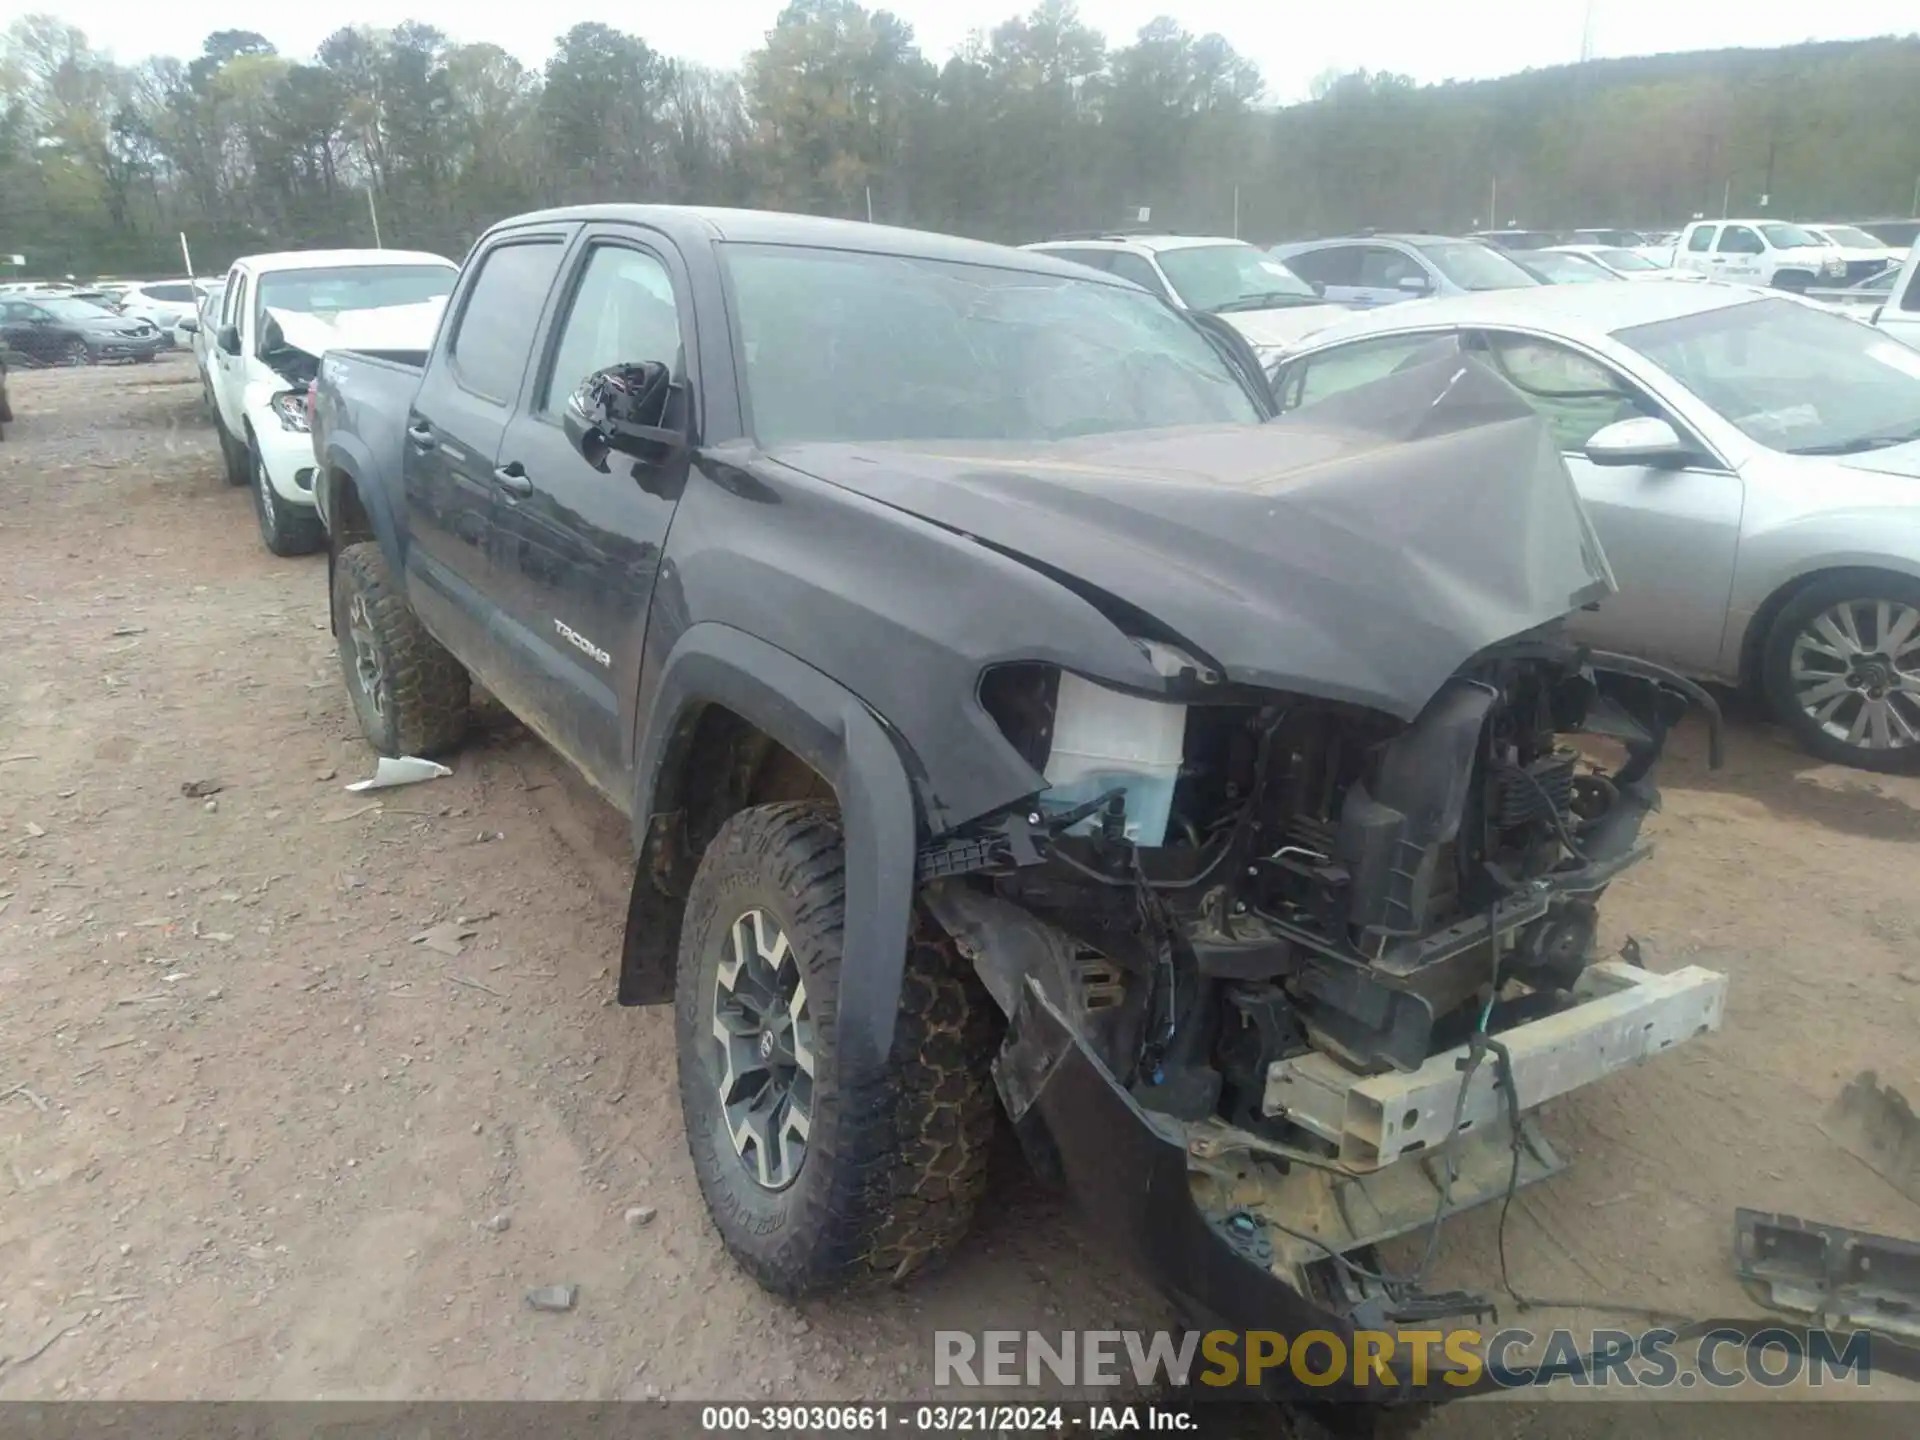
{"x": 1758, "y": 252}
{"x": 278, "y": 314}
{"x": 1900, "y": 315}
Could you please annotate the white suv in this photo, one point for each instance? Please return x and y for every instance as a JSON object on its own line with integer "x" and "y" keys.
{"x": 1253, "y": 292}
{"x": 165, "y": 302}
{"x": 1758, "y": 252}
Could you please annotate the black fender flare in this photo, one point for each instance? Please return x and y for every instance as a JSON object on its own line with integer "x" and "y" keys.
{"x": 348, "y": 455}
{"x": 833, "y": 731}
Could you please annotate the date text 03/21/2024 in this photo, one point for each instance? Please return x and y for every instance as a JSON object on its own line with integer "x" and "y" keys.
{"x": 936, "y": 1419}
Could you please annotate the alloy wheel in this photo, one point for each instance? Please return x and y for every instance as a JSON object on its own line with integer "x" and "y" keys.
{"x": 366, "y": 655}
{"x": 1855, "y": 670}
{"x": 762, "y": 1055}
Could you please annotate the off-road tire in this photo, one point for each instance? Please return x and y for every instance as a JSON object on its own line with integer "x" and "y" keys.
{"x": 285, "y": 528}
{"x": 1776, "y": 681}
{"x": 424, "y": 691}
{"x": 894, "y": 1168}
{"x": 233, "y": 453}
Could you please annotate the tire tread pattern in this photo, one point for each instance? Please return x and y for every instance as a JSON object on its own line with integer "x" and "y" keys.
{"x": 905, "y": 1153}
{"x": 429, "y": 691}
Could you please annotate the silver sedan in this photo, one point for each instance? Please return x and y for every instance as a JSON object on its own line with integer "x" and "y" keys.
{"x": 1750, "y": 461}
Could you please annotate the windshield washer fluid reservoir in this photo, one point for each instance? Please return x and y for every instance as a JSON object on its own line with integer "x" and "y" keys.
{"x": 1103, "y": 739}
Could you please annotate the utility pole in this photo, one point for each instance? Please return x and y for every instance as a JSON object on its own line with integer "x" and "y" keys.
{"x": 1726, "y": 198}
{"x": 869, "y": 204}
{"x": 1493, "y": 203}
{"x": 374, "y": 215}
{"x": 1586, "y": 35}
{"x": 1236, "y": 212}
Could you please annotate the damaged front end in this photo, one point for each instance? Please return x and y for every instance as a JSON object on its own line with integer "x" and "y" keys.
{"x": 1289, "y": 976}
{"x": 1309, "y": 1002}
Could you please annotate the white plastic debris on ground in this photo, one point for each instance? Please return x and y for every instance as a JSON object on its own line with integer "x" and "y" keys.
{"x": 407, "y": 770}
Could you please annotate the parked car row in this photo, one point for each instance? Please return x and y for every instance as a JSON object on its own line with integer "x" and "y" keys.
{"x": 1861, "y": 251}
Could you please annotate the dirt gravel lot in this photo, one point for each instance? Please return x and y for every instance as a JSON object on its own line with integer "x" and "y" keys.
{"x": 254, "y": 1143}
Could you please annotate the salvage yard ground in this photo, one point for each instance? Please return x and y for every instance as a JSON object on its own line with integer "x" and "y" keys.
{"x": 256, "y": 1142}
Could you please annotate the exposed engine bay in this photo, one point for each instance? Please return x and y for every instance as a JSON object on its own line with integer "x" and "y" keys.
{"x": 1221, "y": 884}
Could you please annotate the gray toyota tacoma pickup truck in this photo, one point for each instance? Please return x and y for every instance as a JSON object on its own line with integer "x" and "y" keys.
{"x": 1014, "y": 715}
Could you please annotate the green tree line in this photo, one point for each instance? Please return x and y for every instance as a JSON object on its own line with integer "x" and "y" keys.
{"x": 1036, "y": 125}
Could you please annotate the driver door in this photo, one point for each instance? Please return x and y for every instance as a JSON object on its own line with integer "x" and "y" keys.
{"x": 575, "y": 550}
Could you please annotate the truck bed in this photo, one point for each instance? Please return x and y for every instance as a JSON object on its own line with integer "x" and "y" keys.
{"x": 376, "y": 388}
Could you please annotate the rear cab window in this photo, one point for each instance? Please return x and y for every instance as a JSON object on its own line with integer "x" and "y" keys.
{"x": 489, "y": 345}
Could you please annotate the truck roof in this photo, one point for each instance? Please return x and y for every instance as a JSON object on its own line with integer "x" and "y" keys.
{"x": 326, "y": 259}
{"x": 774, "y": 227}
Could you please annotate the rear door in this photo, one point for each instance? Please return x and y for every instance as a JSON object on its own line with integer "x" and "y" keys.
{"x": 454, "y": 427}
{"x": 575, "y": 549}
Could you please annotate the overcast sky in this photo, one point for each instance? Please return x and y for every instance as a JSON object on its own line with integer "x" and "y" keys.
{"x": 1292, "y": 43}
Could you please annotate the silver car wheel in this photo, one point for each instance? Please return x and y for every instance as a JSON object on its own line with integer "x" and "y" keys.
{"x": 762, "y": 1057}
{"x": 1855, "y": 670}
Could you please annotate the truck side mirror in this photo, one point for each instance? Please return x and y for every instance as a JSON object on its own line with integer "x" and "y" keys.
{"x": 190, "y": 325}
{"x": 228, "y": 339}
{"x": 621, "y": 410}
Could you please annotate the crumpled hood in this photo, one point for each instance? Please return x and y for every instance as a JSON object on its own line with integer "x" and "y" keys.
{"x": 1361, "y": 549}
{"x": 389, "y": 327}
{"x": 1287, "y": 326}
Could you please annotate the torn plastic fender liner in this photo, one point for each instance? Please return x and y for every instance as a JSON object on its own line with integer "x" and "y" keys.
{"x": 1129, "y": 1177}
{"x": 829, "y": 728}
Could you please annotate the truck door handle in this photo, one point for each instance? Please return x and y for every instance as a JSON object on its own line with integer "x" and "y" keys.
{"x": 420, "y": 436}
{"x": 513, "y": 479}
